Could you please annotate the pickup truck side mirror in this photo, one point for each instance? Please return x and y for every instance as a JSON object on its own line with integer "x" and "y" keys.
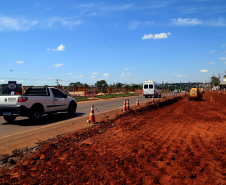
{"x": 65, "y": 96}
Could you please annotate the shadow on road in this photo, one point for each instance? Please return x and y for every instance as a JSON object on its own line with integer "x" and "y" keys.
{"x": 46, "y": 119}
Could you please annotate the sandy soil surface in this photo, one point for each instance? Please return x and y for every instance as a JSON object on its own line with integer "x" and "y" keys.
{"x": 182, "y": 143}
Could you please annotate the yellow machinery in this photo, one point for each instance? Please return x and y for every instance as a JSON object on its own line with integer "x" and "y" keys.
{"x": 201, "y": 90}
{"x": 194, "y": 94}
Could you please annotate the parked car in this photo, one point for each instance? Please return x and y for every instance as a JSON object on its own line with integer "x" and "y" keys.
{"x": 176, "y": 91}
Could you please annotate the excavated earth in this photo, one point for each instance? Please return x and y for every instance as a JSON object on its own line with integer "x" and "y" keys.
{"x": 179, "y": 143}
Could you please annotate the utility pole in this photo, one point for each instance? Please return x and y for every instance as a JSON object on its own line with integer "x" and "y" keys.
{"x": 57, "y": 81}
{"x": 219, "y": 76}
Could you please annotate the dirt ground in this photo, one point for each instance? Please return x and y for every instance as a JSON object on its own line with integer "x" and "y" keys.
{"x": 182, "y": 143}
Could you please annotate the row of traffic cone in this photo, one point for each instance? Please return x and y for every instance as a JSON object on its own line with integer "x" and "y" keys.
{"x": 126, "y": 106}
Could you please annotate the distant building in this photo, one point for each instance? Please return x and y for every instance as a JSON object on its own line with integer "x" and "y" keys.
{"x": 223, "y": 84}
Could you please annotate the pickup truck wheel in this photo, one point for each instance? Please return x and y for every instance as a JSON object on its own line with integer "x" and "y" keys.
{"x": 72, "y": 109}
{"x": 36, "y": 115}
{"x": 10, "y": 119}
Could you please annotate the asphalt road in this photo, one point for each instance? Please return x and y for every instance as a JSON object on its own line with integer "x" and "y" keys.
{"x": 23, "y": 124}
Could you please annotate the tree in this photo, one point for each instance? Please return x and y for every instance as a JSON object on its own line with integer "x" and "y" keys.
{"x": 101, "y": 83}
{"x": 214, "y": 81}
{"x": 119, "y": 84}
{"x": 136, "y": 86}
{"x": 76, "y": 84}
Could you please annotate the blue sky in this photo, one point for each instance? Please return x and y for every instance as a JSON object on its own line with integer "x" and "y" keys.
{"x": 125, "y": 41}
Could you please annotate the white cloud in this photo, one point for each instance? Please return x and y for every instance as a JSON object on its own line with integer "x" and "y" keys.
{"x": 93, "y": 77}
{"x": 213, "y": 51}
{"x": 80, "y": 76}
{"x": 21, "y": 24}
{"x": 92, "y": 14}
{"x": 68, "y": 73}
{"x": 57, "y": 65}
{"x": 48, "y": 49}
{"x": 222, "y": 58}
{"x": 66, "y": 22}
{"x": 94, "y": 73}
{"x": 2, "y": 80}
{"x": 186, "y": 21}
{"x": 123, "y": 74}
{"x": 126, "y": 68}
{"x": 219, "y": 22}
{"x": 19, "y": 62}
{"x": 225, "y": 62}
{"x": 156, "y": 36}
{"x": 60, "y": 48}
{"x": 16, "y": 24}
{"x": 211, "y": 62}
{"x": 106, "y": 75}
{"x": 134, "y": 24}
{"x": 203, "y": 70}
{"x": 179, "y": 75}
{"x": 116, "y": 7}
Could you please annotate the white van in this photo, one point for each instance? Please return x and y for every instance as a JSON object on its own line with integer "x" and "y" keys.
{"x": 151, "y": 88}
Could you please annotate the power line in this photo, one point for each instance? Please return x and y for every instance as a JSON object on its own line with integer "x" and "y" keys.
{"x": 38, "y": 79}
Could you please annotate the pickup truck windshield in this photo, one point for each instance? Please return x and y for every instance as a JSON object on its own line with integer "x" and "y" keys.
{"x": 37, "y": 92}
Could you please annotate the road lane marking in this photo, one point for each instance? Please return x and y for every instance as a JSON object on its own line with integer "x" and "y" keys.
{"x": 54, "y": 124}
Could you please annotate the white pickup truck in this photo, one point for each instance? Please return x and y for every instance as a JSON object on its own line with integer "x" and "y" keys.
{"x": 35, "y": 102}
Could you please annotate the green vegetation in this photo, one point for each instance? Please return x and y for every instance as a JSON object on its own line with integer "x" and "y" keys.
{"x": 105, "y": 96}
{"x": 81, "y": 99}
{"x": 116, "y": 95}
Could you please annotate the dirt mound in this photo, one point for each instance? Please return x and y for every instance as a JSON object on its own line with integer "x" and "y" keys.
{"x": 182, "y": 143}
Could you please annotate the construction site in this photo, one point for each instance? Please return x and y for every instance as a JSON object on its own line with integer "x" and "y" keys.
{"x": 170, "y": 141}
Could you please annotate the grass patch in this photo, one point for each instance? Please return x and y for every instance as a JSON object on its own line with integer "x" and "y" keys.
{"x": 81, "y": 99}
{"x": 116, "y": 95}
{"x": 105, "y": 96}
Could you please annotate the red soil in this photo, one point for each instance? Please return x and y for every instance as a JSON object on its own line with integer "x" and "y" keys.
{"x": 182, "y": 143}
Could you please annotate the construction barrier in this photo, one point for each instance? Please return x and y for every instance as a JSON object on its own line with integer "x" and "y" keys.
{"x": 137, "y": 103}
{"x": 127, "y": 105}
{"x": 124, "y": 106}
{"x": 92, "y": 117}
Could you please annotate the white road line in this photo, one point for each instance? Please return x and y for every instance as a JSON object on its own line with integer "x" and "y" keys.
{"x": 54, "y": 124}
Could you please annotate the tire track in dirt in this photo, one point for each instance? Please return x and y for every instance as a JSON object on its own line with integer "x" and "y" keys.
{"x": 182, "y": 143}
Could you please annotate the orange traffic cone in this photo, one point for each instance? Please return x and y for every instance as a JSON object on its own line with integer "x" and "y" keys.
{"x": 162, "y": 97}
{"x": 124, "y": 106}
{"x": 137, "y": 103}
{"x": 153, "y": 99}
{"x": 211, "y": 99}
{"x": 92, "y": 117}
{"x": 168, "y": 95}
{"x": 127, "y": 105}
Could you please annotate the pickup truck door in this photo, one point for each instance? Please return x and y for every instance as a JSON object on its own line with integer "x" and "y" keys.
{"x": 60, "y": 100}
